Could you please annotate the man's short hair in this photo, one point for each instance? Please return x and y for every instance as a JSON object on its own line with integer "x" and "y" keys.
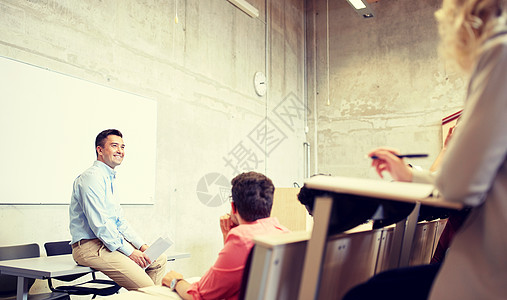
{"x": 252, "y": 194}
{"x": 100, "y": 139}
{"x": 307, "y": 196}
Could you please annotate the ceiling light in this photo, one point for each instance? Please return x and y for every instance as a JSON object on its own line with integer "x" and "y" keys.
{"x": 357, "y": 4}
{"x": 362, "y": 8}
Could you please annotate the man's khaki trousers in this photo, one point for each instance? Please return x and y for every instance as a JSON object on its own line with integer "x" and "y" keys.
{"x": 117, "y": 266}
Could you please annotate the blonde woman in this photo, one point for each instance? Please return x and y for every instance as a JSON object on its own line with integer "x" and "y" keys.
{"x": 474, "y": 168}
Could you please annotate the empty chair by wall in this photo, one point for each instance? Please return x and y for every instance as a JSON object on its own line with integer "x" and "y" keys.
{"x": 93, "y": 287}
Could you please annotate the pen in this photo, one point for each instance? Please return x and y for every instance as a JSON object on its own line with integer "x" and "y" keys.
{"x": 405, "y": 155}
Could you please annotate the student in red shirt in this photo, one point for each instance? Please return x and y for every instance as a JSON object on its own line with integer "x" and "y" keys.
{"x": 252, "y": 198}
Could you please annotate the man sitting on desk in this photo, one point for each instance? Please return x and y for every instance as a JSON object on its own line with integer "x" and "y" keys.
{"x": 252, "y": 198}
{"x": 101, "y": 237}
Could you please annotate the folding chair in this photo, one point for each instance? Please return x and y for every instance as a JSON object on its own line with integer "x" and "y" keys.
{"x": 101, "y": 287}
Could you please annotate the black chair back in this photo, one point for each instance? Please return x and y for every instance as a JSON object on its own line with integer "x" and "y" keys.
{"x": 61, "y": 248}
{"x": 58, "y": 248}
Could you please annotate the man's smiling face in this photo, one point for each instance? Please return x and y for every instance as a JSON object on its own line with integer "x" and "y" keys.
{"x": 113, "y": 151}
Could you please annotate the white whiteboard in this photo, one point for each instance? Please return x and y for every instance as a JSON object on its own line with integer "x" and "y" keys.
{"x": 48, "y": 125}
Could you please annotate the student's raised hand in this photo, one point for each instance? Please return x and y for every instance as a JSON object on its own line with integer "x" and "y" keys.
{"x": 388, "y": 161}
{"x": 226, "y": 223}
{"x": 140, "y": 258}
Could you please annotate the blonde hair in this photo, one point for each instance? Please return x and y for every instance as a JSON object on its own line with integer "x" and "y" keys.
{"x": 464, "y": 25}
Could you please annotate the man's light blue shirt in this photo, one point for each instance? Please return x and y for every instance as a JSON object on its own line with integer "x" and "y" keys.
{"x": 95, "y": 213}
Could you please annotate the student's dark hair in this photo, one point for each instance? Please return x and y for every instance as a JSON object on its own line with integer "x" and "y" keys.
{"x": 252, "y": 194}
{"x": 306, "y": 196}
{"x": 99, "y": 140}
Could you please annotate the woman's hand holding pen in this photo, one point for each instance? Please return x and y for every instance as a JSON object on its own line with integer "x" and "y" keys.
{"x": 386, "y": 160}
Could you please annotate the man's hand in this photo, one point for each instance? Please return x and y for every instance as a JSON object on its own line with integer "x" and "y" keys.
{"x": 388, "y": 161}
{"x": 170, "y": 276}
{"x": 226, "y": 224}
{"x": 181, "y": 287}
{"x": 140, "y": 258}
{"x": 143, "y": 248}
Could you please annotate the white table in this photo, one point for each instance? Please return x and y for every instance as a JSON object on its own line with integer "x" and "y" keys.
{"x": 40, "y": 268}
{"x": 50, "y": 267}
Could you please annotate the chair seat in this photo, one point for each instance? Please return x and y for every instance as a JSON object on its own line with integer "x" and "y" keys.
{"x": 104, "y": 288}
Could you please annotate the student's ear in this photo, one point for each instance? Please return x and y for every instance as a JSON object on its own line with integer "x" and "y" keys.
{"x": 233, "y": 208}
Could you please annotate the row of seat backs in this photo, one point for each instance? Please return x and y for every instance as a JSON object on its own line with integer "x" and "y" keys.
{"x": 350, "y": 259}
{"x": 354, "y": 258}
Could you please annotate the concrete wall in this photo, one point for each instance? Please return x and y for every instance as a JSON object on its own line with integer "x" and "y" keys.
{"x": 386, "y": 84}
{"x": 211, "y": 124}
